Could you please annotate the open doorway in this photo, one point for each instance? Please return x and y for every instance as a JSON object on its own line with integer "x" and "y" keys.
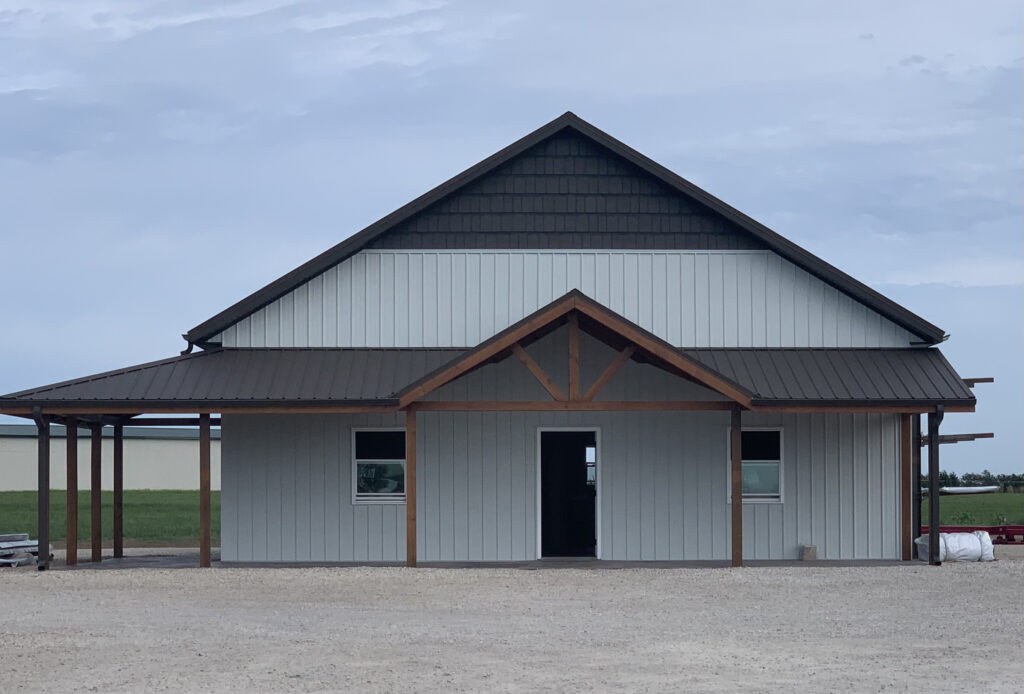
{"x": 568, "y": 493}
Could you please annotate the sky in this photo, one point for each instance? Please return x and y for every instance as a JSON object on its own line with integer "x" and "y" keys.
{"x": 161, "y": 160}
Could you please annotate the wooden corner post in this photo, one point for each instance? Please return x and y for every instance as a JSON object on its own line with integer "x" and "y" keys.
{"x": 410, "y": 487}
{"x": 906, "y": 486}
{"x": 118, "y": 490}
{"x": 71, "y": 439}
{"x": 96, "y": 491}
{"x": 934, "y": 420}
{"x": 736, "y": 478}
{"x": 43, "y": 500}
{"x": 204, "y": 490}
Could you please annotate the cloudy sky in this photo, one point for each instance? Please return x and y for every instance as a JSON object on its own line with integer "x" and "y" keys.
{"x": 161, "y": 160}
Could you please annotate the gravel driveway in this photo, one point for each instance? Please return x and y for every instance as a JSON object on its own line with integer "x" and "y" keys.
{"x": 903, "y": 628}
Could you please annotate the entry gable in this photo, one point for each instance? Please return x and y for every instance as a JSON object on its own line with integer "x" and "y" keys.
{"x": 580, "y": 312}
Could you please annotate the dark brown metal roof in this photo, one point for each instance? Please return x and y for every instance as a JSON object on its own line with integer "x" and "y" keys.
{"x": 296, "y": 377}
{"x": 833, "y": 376}
{"x": 240, "y": 377}
{"x": 569, "y": 121}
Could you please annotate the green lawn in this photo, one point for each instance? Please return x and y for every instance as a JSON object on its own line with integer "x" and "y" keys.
{"x": 155, "y": 518}
{"x": 978, "y": 509}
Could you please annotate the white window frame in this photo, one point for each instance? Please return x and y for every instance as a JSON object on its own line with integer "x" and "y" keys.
{"x": 782, "y": 466}
{"x": 383, "y": 498}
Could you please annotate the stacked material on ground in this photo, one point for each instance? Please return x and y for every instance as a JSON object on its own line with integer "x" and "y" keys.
{"x": 976, "y": 546}
{"x": 17, "y": 549}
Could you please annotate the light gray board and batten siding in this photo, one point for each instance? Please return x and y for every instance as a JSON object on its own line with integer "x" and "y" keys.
{"x": 664, "y": 488}
{"x": 461, "y": 298}
{"x": 664, "y": 477}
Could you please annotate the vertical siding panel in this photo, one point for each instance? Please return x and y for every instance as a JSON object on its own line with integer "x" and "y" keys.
{"x": 332, "y": 497}
{"x": 346, "y": 520}
{"x": 617, "y": 284}
{"x": 474, "y": 485}
{"x": 502, "y": 294}
{"x": 300, "y": 316}
{"x": 758, "y": 299}
{"x": 315, "y": 311}
{"x": 330, "y": 308}
{"x": 646, "y": 467}
{"x": 504, "y": 482}
{"x": 744, "y": 301}
{"x": 302, "y": 501}
{"x": 644, "y": 279}
{"x": 372, "y": 301}
{"x": 519, "y": 457}
{"x": 489, "y": 434}
{"x": 685, "y": 291}
{"x": 444, "y": 317}
{"x": 716, "y": 301}
{"x": 318, "y": 490}
{"x": 702, "y": 300}
{"x": 388, "y": 301}
{"x": 358, "y": 308}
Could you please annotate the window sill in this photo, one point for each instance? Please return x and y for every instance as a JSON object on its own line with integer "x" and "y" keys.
{"x": 378, "y": 502}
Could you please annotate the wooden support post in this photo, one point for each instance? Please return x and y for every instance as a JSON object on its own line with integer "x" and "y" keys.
{"x": 410, "y": 488}
{"x": 204, "y": 490}
{"x": 71, "y": 532}
{"x": 934, "y": 420}
{"x": 574, "y": 357}
{"x": 915, "y": 473}
{"x": 43, "y": 499}
{"x": 118, "y": 490}
{"x": 906, "y": 489}
{"x": 736, "y": 477}
{"x": 96, "y": 494}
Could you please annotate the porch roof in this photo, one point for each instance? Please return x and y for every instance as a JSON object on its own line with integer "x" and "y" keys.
{"x": 221, "y": 379}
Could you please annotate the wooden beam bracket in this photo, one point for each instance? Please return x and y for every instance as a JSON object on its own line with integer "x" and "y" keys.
{"x": 612, "y": 369}
{"x": 538, "y": 373}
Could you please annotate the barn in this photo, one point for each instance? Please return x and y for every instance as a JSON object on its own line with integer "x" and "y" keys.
{"x": 566, "y": 350}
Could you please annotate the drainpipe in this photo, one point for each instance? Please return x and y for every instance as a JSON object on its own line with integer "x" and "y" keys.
{"x": 934, "y": 420}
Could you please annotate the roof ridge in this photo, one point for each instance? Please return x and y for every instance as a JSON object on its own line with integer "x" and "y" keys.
{"x": 787, "y": 249}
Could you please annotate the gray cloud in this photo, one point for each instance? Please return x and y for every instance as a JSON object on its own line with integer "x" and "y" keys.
{"x": 161, "y": 160}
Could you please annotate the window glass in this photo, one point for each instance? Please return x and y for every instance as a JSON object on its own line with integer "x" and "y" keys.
{"x": 379, "y": 466}
{"x": 380, "y": 445}
{"x": 762, "y": 445}
{"x": 761, "y": 480}
{"x": 380, "y": 478}
{"x": 762, "y": 461}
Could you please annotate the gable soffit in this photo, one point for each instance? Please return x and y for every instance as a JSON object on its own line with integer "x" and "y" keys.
{"x": 674, "y": 211}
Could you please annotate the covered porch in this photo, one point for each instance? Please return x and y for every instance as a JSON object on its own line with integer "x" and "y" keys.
{"x": 412, "y": 385}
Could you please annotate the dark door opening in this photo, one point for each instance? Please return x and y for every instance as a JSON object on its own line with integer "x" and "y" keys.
{"x": 568, "y": 493}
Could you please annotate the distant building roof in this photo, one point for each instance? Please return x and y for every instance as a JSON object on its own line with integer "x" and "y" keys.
{"x": 149, "y": 433}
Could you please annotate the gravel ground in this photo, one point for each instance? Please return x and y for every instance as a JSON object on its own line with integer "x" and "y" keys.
{"x": 903, "y": 628}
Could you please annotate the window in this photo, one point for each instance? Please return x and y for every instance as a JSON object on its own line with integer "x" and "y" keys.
{"x": 591, "y": 458}
{"x": 762, "y": 464}
{"x": 762, "y": 460}
{"x": 378, "y": 468}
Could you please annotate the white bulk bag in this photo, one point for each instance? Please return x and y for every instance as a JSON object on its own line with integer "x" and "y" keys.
{"x": 976, "y": 546}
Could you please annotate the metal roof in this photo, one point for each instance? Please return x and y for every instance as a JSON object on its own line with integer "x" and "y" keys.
{"x": 296, "y": 377}
{"x": 787, "y": 249}
{"x": 242, "y": 377}
{"x": 831, "y": 376}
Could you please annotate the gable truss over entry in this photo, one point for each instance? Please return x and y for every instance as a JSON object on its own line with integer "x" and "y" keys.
{"x": 576, "y": 309}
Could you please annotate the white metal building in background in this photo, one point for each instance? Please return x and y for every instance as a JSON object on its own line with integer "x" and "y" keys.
{"x": 565, "y": 350}
{"x": 165, "y": 458}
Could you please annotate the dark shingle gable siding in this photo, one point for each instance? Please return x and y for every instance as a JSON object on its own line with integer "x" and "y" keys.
{"x": 567, "y": 192}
